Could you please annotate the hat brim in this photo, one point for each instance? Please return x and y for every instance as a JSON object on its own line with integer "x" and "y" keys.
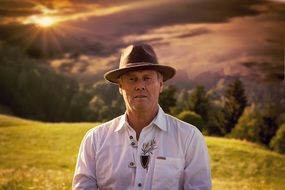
{"x": 166, "y": 71}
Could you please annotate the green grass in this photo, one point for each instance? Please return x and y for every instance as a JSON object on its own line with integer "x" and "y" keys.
{"x": 243, "y": 165}
{"x": 42, "y": 156}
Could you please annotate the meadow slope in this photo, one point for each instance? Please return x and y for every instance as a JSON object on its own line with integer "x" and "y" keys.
{"x": 42, "y": 156}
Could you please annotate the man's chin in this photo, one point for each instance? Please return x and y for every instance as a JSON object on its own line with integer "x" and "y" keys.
{"x": 142, "y": 108}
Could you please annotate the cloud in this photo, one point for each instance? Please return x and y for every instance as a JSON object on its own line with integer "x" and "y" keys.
{"x": 163, "y": 35}
{"x": 202, "y": 11}
{"x": 84, "y": 68}
{"x": 195, "y": 32}
{"x": 222, "y": 47}
{"x": 194, "y": 36}
{"x": 10, "y": 11}
{"x": 116, "y": 20}
{"x": 265, "y": 71}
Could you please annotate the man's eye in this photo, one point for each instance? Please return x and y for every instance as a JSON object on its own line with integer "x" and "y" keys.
{"x": 131, "y": 79}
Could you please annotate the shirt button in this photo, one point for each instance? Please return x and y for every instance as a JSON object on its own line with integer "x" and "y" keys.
{"x": 139, "y": 184}
{"x": 131, "y": 137}
{"x": 132, "y": 165}
{"x": 133, "y": 143}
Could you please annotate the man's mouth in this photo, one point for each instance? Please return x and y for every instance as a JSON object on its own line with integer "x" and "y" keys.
{"x": 140, "y": 96}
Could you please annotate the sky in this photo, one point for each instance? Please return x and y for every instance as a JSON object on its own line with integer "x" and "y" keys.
{"x": 205, "y": 40}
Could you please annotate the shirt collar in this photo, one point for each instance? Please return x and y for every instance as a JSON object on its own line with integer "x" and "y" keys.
{"x": 122, "y": 122}
{"x": 159, "y": 121}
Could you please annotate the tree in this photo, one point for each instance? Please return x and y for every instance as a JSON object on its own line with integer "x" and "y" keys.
{"x": 249, "y": 125}
{"x": 212, "y": 127}
{"x": 199, "y": 102}
{"x": 235, "y": 102}
{"x": 257, "y": 126}
{"x": 107, "y": 102}
{"x": 167, "y": 98}
{"x": 278, "y": 141}
{"x": 181, "y": 102}
{"x": 31, "y": 90}
{"x": 269, "y": 116}
{"x": 280, "y": 119}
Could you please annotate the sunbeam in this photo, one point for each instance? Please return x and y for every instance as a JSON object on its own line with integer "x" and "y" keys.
{"x": 42, "y": 21}
{"x": 46, "y": 22}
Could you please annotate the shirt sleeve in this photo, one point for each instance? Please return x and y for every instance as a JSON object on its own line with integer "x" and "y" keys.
{"x": 197, "y": 171}
{"x": 84, "y": 175}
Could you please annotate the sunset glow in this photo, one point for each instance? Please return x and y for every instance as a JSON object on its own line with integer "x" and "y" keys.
{"x": 50, "y": 17}
{"x": 45, "y": 22}
{"x": 42, "y": 21}
{"x": 90, "y": 26}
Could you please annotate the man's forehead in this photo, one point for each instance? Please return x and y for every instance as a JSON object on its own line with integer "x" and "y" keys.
{"x": 141, "y": 72}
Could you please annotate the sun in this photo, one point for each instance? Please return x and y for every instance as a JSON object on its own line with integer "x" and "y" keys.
{"x": 45, "y": 22}
{"x": 41, "y": 21}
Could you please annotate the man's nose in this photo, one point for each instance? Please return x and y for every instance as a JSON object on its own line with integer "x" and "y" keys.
{"x": 140, "y": 84}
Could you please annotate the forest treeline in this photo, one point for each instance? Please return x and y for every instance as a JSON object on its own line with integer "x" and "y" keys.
{"x": 32, "y": 90}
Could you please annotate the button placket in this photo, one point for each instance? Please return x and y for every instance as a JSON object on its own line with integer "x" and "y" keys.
{"x": 133, "y": 144}
{"x": 140, "y": 172}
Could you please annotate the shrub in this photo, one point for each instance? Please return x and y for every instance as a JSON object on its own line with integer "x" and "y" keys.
{"x": 249, "y": 125}
{"x": 280, "y": 119}
{"x": 278, "y": 141}
{"x": 192, "y": 118}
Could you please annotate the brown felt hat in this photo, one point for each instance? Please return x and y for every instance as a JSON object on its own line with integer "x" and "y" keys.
{"x": 139, "y": 57}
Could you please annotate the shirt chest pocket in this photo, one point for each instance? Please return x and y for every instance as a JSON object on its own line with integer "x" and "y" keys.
{"x": 167, "y": 173}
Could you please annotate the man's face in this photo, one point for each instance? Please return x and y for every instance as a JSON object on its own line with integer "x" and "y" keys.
{"x": 141, "y": 89}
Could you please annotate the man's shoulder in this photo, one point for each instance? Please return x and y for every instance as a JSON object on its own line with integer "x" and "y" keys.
{"x": 104, "y": 130}
{"x": 174, "y": 121}
{"x": 183, "y": 130}
{"x": 176, "y": 124}
{"x": 108, "y": 126}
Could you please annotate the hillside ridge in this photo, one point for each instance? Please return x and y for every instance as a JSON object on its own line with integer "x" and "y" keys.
{"x": 50, "y": 149}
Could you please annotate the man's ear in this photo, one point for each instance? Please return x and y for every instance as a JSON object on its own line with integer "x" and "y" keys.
{"x": 120, "y": 89}
{"x": 161, "y": 86}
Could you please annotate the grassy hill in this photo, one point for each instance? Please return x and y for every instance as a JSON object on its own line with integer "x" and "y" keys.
{"x": 42, "y": 156}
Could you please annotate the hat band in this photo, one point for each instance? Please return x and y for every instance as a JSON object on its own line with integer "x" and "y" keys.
{"x": 137, "y": 64}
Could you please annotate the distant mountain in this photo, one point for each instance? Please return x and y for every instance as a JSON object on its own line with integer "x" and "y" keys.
{"x": 256, "y": 91}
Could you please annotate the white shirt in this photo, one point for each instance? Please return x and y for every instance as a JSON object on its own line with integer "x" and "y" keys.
{"x": 174, "y": 152}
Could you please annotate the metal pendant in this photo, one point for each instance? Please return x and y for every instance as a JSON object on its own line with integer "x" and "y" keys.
{"x": 144, "y": 161}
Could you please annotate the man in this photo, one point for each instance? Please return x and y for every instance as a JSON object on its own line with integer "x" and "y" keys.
{"x": 144, "y": 148}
